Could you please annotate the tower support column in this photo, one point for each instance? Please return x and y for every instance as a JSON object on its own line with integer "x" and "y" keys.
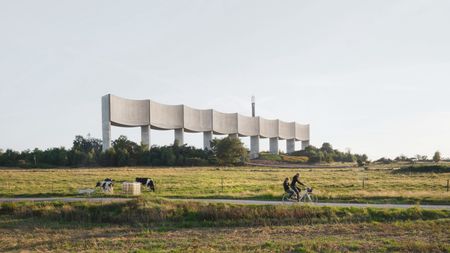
{"x": 207, "y": 138}
{"x": 145, "y": 136}
{"x": 254, "y": 147}
{"x": 290, "y": 146}
{"x": 305, "y": 144}
{"x": 179, "y": 136}
{"x": 106, "y": 123}
{"x": 273, "y": 145}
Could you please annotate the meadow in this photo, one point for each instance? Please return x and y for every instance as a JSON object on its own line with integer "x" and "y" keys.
{"x": 381, "y": 184}
{"x": 153, "y": 223}
{"x": 158, "y": 225}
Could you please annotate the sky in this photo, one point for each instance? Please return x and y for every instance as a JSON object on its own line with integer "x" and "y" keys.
{"x": 369, "y": 76}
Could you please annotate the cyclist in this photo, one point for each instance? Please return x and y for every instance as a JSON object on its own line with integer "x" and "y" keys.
{"x": 287, "y": 188}
{"x": 294, "y": 187}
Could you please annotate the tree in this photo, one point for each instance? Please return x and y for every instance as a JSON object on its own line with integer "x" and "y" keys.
{"x": 326, "y": 147}
{"x": 437, "y": 156}
{"x": 229, "y": 151}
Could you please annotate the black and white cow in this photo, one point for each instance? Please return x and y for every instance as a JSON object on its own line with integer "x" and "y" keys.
{"x": 147, "y": 182}
{"x": 106, "y": 185}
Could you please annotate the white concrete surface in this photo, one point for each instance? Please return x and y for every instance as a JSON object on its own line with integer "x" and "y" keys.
{"x": 273, "y": 145}
{"x": 179, "y": 136}
{"x": 207, "y": 138}
{"x": 254, "y": 147}
{"x": 145, "y": 135}
{"x": 106, "y": 123}
{"x": 305, "y": 144}
{"x": 123, "y": 112}
{"x": 290, "y": 145}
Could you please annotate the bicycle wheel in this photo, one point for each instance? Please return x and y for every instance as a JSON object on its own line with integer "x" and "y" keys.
{"x": 309, "y": 198}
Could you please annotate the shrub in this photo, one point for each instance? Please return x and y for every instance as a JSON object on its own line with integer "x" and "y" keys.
{"x": 295, "y": 159}
{"x": 229, "y": 151}
{"x": 424, "y": 169}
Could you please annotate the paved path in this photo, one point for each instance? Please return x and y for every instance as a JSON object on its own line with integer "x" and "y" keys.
{"x": 265, "y": 202}
{"x": 65, "y": 199}
{"x": 230, "y": 201}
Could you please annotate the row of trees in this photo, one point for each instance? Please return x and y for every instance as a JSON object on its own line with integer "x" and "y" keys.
{"x": 402, "y": 158}
{"x": 326, "y": 153}
{"x": 124, "y": 152}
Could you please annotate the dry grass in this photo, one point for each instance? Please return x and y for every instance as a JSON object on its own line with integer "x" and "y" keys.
{"x": 238, "y": 182}
{"x": 421, "y": 236}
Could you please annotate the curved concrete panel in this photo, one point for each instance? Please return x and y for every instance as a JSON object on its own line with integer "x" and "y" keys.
{"x": 248, "y": 126}
{"x": 225, "y": 123}
{"x": 128, "y": 112}
{"x": 286, "y": 130}
{"x": 146, "y": 113}
{"x": 196, "y": 120}
{"x": 301, "y": 132}
{"x": 166, "y": 116}
{"x": 268, "y": 128}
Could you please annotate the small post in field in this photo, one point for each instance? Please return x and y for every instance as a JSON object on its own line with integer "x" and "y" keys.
{"x": 448, "y": 184}
{"x": 363, "y": 183}
{"x": 222, "y": 184}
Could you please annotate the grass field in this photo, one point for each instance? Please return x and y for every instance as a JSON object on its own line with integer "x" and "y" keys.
{"x": 151, "y": 223}
{"x": 155, "y": 225}
{"x": 346, "y": 184}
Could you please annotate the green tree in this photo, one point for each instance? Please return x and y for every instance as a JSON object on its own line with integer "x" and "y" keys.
{"x": 437, "y": 156}
{"x": 229, "y": 151}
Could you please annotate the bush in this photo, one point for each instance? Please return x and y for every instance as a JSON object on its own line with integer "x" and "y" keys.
{"x": 294, "y": 159}
{"x": 229, "y": 151}
{"x": 424, "y": 169}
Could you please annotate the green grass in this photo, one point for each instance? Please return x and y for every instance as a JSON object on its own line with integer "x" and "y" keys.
{"x": 381, "y": 185}
{"x": 157, "y": 225}
{"x": 182, "y": 213}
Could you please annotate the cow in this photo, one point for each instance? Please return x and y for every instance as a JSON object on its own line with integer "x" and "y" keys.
{"x": 147, "y": 182}
{"x": 106, "y": 185}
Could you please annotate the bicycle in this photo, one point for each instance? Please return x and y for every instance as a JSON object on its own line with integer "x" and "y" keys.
{"x": 307, "y": 197}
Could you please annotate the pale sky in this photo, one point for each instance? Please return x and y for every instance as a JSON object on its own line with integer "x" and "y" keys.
{"x": 372, "y": 76}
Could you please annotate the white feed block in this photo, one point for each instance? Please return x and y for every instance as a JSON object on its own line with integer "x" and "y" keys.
{"x": 131, "y": 188}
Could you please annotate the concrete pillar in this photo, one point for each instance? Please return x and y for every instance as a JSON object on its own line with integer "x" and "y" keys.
{"x": 179, "y": 136}
{"x": 290, "y": 146}
{"x": 254, "y": 147}
{"x": 106, "y": 123}
{"x": 273, "y": 145}
{"x": 145, "y": 136}
{"x": 207, "y": 138}
{"x": 305, "y": 144}
{"x": 233, "y": 135}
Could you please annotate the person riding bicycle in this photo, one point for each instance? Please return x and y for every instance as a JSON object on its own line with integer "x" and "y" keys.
{"x": 294, "y": 187}
{"x": 287, "y": 187}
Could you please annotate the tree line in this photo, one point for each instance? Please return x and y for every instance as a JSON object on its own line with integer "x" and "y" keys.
{"x": 87, "y": 151}
{"x": 124, "y": 152}
{"x": 326, "y": 154}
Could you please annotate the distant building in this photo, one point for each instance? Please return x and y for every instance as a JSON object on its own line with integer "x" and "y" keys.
{"x": 147, "y": 114}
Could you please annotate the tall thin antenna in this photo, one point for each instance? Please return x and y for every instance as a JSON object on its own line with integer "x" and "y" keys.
{"x": 253, "y": 106}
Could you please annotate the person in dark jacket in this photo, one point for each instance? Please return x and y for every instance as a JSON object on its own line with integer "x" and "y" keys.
{"x": 295, "y": 180}
{"x": 287, "y": 188}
